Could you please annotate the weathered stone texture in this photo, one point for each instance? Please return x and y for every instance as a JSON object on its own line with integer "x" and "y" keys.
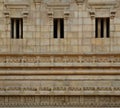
{"x": 78, "y": 70}
{"x": 79, "y": 26}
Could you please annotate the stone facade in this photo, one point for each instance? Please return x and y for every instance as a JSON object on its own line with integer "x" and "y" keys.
{"x": 38, "y": 70}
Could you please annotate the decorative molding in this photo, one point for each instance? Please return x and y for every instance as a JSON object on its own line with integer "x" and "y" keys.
{"x": 60, "y": 101}
{"x": 112, "y": 13}
{"x": 58, "y": 5}
{"x": 18, "y": 13}
{"x": 102, "y": 8}
{"x": 66, "y": 14}
{"x": 50, "y": 14}
{"x": 59, "y": 90}
{"x": 25, "y": 14}
{"x": 79, "y": 2}
{"x": 16, "y": 5}
{"x": 92, "y": 13}
{"x": 62, "y": 10}
{"x": 7, "y": 14}
{"x": 60, "y": 60}
{"x": 16, "y": 9}
{"x": 38, "y": 1}
{"x": 58, "y": 70}
{"x": 104, "y": 3}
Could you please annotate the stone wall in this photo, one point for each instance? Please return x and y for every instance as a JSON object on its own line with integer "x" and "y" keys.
{"x": 79, "y": 18}
{"x": 78, "y": 70}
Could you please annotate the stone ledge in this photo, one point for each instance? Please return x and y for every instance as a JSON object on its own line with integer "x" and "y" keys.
{"x": 58, "y": 71}
{"x": 102, "y": 2}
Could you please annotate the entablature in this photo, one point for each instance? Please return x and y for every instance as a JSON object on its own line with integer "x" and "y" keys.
{"x": 58, "y": 10}
{"x": 104, "y": 8}
{"x": 16, "y": 8}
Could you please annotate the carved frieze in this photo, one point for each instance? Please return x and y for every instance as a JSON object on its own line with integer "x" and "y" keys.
{"x": 59, "y": 90}
{"x": 63, "y": 60}
{"x": 60, "y": 101}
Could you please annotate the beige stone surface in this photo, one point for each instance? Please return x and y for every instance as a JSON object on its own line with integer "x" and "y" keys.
{"x": 76, "y": 71}
{"x": 38, "y": 25}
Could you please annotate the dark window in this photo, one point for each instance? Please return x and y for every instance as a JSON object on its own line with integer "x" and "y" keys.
{"x": 61, "y": 28}
{"x": 55, "y": 28}
{"x": 58, "y": 28}
{"x": 16, "y": 28}
{"x": 102, "y": 27}
{"x": 108, "y": 28}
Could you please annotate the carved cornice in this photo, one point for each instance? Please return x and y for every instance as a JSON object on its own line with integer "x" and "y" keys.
{"x": 104, "y": 8}
{"x": 38, "y": 1}
{"x": 16, "y": 4}
{"x": 11, "y": 8}
{"x": 56, "y": 7}
{"x": 103, "y": 3}
{"x": 79, "y": 2}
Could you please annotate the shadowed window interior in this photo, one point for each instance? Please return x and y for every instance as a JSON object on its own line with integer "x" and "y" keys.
{"x": 58, "y": 27}
{"x": 102, "y": 27}
{"x": 16, "y": 28}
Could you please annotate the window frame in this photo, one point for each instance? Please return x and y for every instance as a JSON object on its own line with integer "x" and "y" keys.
{"x": 102, "y": 27}
{"x": 58, "y": 28}
{"x": 16, "y": 28}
